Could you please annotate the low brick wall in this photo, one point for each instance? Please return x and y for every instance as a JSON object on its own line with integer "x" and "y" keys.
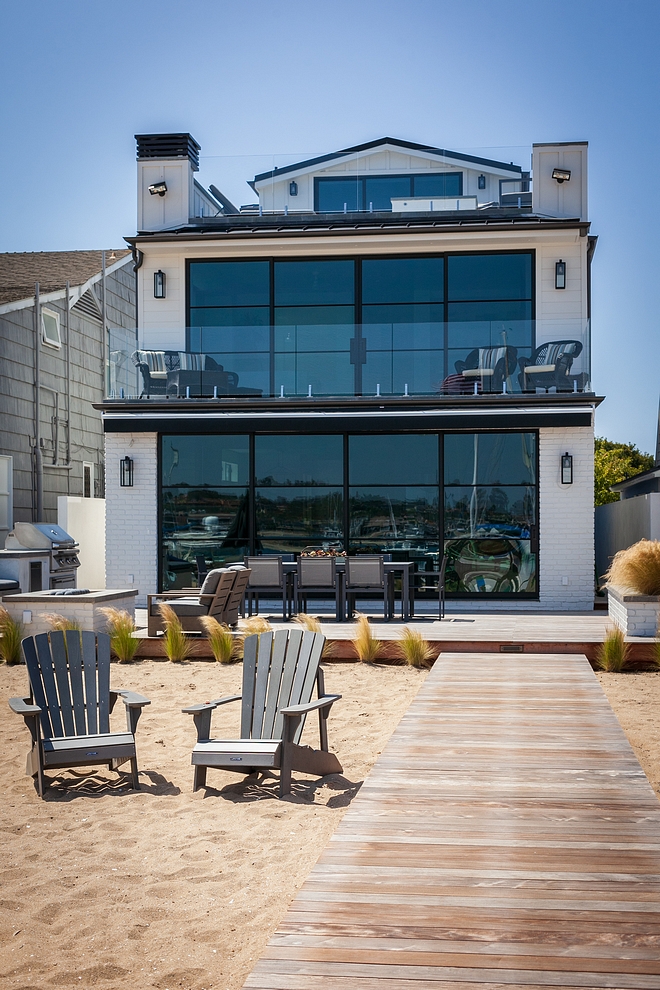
{"x": 635, "y": 615}
{"x": 84, "y": 609}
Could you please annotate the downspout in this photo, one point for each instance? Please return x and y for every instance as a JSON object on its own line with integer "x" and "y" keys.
{"x": 38, "y": 460}
{"x": 67, "y": 326}
{"x": 104, "y": 342}
{"x": 138, "y": 258}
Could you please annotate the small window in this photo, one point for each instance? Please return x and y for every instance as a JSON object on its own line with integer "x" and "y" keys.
{"x": 50, "y": 323}
{"x": 88, "y": 480}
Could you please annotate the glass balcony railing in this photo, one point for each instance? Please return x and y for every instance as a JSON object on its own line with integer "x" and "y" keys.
{"x": 386, "y": 359}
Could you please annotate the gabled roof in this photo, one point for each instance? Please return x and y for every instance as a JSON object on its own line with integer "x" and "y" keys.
{"x": 405, "y": 145}
{"x": 52, "y": 270}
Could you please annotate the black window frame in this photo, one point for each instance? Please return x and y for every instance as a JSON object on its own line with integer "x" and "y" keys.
{"x": 361, "y": 180}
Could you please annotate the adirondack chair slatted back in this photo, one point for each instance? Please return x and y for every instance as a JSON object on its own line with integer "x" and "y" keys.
{"x": 279, "y": 669}
{"x": 70, "y": 681}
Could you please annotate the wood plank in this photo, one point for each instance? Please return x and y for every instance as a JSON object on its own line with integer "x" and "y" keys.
{"x": 506, "y": 837}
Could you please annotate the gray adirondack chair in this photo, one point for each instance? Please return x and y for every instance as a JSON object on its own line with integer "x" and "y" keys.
{"x": 279, "y": 673}
{"x": 69, "y": 705}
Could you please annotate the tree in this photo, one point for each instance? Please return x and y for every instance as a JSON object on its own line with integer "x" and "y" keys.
{"x": 614, "y": 462}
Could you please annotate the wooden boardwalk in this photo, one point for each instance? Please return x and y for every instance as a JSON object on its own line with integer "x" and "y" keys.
{"x": 506, "y": 837}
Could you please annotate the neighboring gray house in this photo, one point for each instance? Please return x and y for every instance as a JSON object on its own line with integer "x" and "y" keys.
{"x": 54, "y": 357}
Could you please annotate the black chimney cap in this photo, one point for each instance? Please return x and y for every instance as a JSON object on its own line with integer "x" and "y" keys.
{"x": 168, "y": 146}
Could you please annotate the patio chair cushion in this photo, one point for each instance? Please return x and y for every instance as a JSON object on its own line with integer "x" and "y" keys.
{"x": 189, "y": 606}
{"x": 208, "y": 589}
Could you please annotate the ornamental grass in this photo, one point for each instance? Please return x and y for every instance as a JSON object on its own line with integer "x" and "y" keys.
{"x": 60, "y": 623}
{"x": 224, "y": 645}
{"x": 255, "y": 624}
{"x": 11, "y": 631}
{"x": 414, "y": 649}
{"x": 121, "y": 627}
{"x": 367, "y": 648}
{"x": 613, "y": 654}
{"x": 313, "y": 624}
{"x": 637, "y": 569}
{"x": 176, "y": 646}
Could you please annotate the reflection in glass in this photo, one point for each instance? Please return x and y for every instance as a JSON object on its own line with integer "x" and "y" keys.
{"x": 393, "y": 459}
{"x": 380, "y": 189}
{"x": 403, "y": 280}
{"x": 314, "y": 283}
{"x": 496, "y": 511}
{"x": 444, "y": 184}
{"x": 332, "y": 194}
{"x": 208, "y": 522}
{"x": 394, "y": 519}
{"x": 489, "y": 276}
{"x": 290, "y": 519}
{"x": 495, "y": 566}
{"x": 204, "y": 461}
{"x": 298, "y": 460}
{"x": 490, "y": 458}
{"x": 229, "y": 283}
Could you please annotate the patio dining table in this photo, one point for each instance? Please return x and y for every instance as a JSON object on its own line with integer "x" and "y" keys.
{"x": 402, "y": 567}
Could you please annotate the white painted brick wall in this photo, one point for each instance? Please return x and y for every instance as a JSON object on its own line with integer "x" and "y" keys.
{"x": 566, "y": 528}
{"x": 635, "y": 615}
{"x": 131, "y": 515}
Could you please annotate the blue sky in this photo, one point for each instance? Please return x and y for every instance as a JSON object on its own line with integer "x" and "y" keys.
{"x": 263, "y": 82}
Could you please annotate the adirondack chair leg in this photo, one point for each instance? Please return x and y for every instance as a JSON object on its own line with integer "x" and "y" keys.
{"x": 134, "y": 773}
{"x": 199, "y": 778}
{"x": 323, "y": 712}
{"x": 291, "y": 723}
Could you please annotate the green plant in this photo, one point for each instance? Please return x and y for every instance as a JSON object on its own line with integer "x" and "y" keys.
{"x": 637, "y": 568}
{"x": 613, "y": 654}
{"x": 414, "y": 649}
{"x": 313, "y": 623}
{"x": 614, "y": 462}
{"x": 12, "y": 633}
{"x": 175, "y": 645}
{"x": 121, "y": 628}
{"x": 60, "y": 623}
{"x": 367, "y": 648}
{"x": 224, "y": 646}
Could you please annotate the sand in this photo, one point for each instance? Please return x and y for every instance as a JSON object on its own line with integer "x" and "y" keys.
{"x": 104, "y": 887}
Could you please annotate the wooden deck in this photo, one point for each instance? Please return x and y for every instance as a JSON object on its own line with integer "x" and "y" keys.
{"x": 506, "y": 837}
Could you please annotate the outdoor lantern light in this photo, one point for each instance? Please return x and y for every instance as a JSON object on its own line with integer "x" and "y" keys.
{"x": 158, "y": 188}
{"x": 560, "y": 275}
{"x": 566, "y": 469}
{"x": 481, "y": 182}
{"x": 561, "y": 174}
{"x": 293, "y": 189}
{"x": 159, "y": 285}
{"x": 126, "y": 472}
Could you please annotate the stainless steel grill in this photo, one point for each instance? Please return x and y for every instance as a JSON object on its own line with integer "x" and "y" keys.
{"x": 62, "y": 549}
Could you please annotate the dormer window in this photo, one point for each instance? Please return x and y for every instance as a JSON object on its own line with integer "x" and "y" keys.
{"x": 374, "y": 193}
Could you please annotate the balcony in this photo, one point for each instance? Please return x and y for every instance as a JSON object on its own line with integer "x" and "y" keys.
{"x": 344, "y": 360}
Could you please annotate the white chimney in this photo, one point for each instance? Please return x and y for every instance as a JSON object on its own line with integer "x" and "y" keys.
{"x": 559, "y": 172}
{"x": 166, "y": 167}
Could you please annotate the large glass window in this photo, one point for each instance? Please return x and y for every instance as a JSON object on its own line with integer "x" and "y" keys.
{"x": 490, "y": 531}
{"x": 204, "y": 504}
{"x": 375, "y": 192}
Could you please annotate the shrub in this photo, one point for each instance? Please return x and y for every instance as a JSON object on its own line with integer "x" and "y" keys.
{"x": 613, "y": 654}
{"x": 60, "y": 623}
{"x": 414, "y": 649}
{"x": 255, "y": 624}
{"x": 12, "y": 634}
{"x": 367, "y": 648}
{"x": 313, "y": 623}
{"x": 637, "y": 568}
{"x": 175, "y": 645}
{"x": 224, "y": 646}
{"x": 121, "y": 627}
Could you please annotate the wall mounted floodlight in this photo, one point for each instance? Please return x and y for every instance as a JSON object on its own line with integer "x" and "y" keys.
{"x": 560, "y": 275}
{"x": 126, "y": 472}
{"x": 293, "y": 189}
{"x": 561, "y": 174}
{"x": 158, "y": 188}
{"x": 481, "y": 182}
{"x": 159, "y": 285}
{"x": 566, "y": 469}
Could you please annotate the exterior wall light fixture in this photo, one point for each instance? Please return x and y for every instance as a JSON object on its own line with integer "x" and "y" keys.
{"x": 159, "y": 285}
{"x": 481, "y": 182}
{"x": 126, "y": 472}
{"x": 566, "y": 469}
{"x": 560, "y": 275}
{"x": 561, "y": 174}
{"x": 158, "y": 188}
{"x": 293, "y": 189}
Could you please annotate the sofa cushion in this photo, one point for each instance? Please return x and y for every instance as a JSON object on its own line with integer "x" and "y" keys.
{"x": 188, "y": 606}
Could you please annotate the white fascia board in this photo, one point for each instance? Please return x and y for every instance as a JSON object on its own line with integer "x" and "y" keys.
{"x": 362, "y": 155}
{"x": 75, "y": 291}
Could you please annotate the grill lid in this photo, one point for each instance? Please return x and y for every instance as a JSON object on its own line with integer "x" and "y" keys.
{"x": 40, "y": 536}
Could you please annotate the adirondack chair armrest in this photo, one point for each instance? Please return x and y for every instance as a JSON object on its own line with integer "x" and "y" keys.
{"x": 325, "y": 702}
{"x": 202, "y": 714}
{"x": 21, "y": 707}
{"x": 134, "y": 704}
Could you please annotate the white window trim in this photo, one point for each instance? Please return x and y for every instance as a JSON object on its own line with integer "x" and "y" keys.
{"x": 90, "y": 465}
{"x": 47, "y": 340}
{"x": 9, "y": 493}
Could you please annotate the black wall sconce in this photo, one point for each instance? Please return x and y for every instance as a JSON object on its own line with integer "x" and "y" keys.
{"x": 560, "y": 275}
{"x": 159, "y": 285}
{"x": 481, "y": 182}
{"x": 126, "y": 472}
{"x": 561, "y": 175}
{"x": 566, "y": 469}
{"x": 293, "y": 189}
